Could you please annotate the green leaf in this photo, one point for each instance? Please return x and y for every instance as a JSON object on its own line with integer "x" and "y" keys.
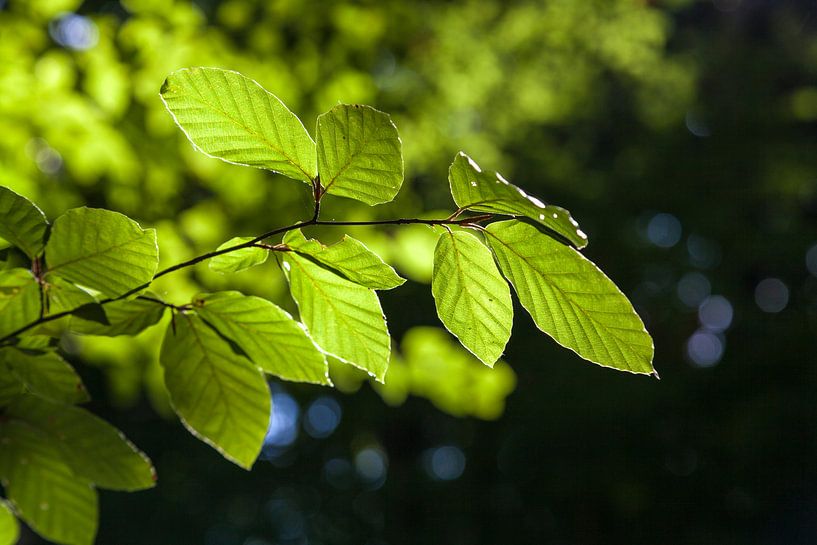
{"x": 570, "y": 299}
{"x": 220, "y": 395}
{"x": 92, "y": 448}
{"x": 9, "y": 527}
{"x": 239, "y": 259}
{"x": 344, "y": 318}
{"x": 19, "y": 300}
{"x": 359, "y": 154}
{"x": 10, "y": 386}
{"x": 101, "y": 250}
{"x": 57, "y": 504}
{"x": 117, "y": 318}
{"x": 63, "y": 296}
{"x": 349, "y": 258}
{"x": 487, "y": 191}
{"x": 472, "y": 298}
{"x": 21, "y": 223}
{"x": 267, "y": 334}
{"x": 231, "y": 117}
{"x": 44, "y": 373}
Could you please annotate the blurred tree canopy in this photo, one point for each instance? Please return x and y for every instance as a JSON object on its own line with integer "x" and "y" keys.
{"x": 680, "y": 133}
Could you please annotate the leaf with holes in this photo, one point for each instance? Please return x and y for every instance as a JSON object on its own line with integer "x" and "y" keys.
{"x": 238, "y": 260}
{"x": 344, "y": 318}
{"x": 487, "y": 191}
{"x": 220, "y": 395}
{"x": 359, "y": 154}
{"x": 19, "y": 300}
{"x": 102, "y": 250}
{"x": 268, "y": 335}
{"x": 570, "y": 299}
{"x": 231, "y": 117}
{"x": 45, "y": 493}
{"x": 473, "y": 300}
{"x": 22, "y": 224}
{"x": 92, "y": 448}
{"x": 44, "y": 373}
{"x": 9, "y": 527}
{"x": 350, "y": 258}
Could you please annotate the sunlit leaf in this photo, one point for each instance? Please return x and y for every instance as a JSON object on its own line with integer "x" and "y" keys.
{"x": 102, "y": 250}
{"x": 117, "y": 318}
{"x": 359, "y": 154}
{"x": 570, "y": 299}
{"x": 92, "y": 448}
{"x": 63, "y": 296}
{"x": 19, "y": 300}
{"x": 487, "y": 191}
{"x": 46, "y": 494}
{"x": 473, "y": 300}
{"x": 44, "y": 373}
{"x": 231, "y": 117}
{"x": 9, "y": 527}
{"x": 344, "y": 318}
{"x": 220, "y": 395}
{"x": 238, "y": 260}
{"x": 350, "y": 258}
{"x": 21, "y": 223}
{"x": 267, "y": 334}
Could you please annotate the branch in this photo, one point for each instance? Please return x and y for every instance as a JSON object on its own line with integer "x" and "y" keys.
{"x": 472, "y": 221}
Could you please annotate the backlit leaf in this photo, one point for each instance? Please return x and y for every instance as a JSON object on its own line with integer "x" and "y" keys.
{"x": 270, "y": 337}
{"x": 359, "y": 154}
{"x": 487, "y": 191}
{"x": 239, "y": 259}
{"x": 473, "y": 300}
{"x": 350, "y": 258}
{"x": 344, "y": 318}
{"x": 45, "y": 493}
{"x": 117, "y": 318}
{"x": 22, "y": 224}
{"x": 19, "y": 300}
{"x": 9, "y": 527}
{"x": 220, "y": 395}
{"x": 63, "y": 296}
{"x": 231, "y": 117}
{"x": 92, "y": 448}
{"x": 102, "y": 250}
{"x": 570, "y": 299}
{"x": 44, "y": 373}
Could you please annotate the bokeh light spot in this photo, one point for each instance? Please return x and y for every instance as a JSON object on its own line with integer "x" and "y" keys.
{"x": 693, "y": 289}
{"x": 371, "y": 465}
{"x": 445, "y": 463}
{"x": 283, "y": 426}
{"x": 322, "y": 417}
{"x": 74, "y": 32}
{"x": 704, "y": 348}
{"x": 811, "y": 260}
{"x": 771, "y": 295}
{"x": 715, "y": 313}
{"x": 664, "y": 230}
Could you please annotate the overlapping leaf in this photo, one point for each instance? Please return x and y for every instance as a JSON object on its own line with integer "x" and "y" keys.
{"x": 487, "y": 191}
{"x": 63, "y": 296}
{"x": 473, "y": 300}
{"x": 117, "y": 318}
{"x": 267, "y": 334}
{"x": 231, "y": 117}
{"x": 350, "y": 258}
{"x": 359, "y": 154}
{"x": 19, "y": 300}
{"x": 344, "y": 318}
{"x": 220, "y": 395}
{"x": 44, "y": 373}
{"x": 102, "y": 250}
{"x": 93, "y": 449}
{"x": 570, "y": 299}
{"x": 9, "y": 527}
{"x": 46, "y": 494}
{"x": 238, "y": 260}
{"x": 21, "y": 223}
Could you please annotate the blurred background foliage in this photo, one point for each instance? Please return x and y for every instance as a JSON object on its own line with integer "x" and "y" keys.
{"x": 680, "y": 133}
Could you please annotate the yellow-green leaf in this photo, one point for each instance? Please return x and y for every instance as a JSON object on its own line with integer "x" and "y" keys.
{"x": 238, "y": 260}
{"x": 21, "y": 223}
{"x": 19, "y": 300}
